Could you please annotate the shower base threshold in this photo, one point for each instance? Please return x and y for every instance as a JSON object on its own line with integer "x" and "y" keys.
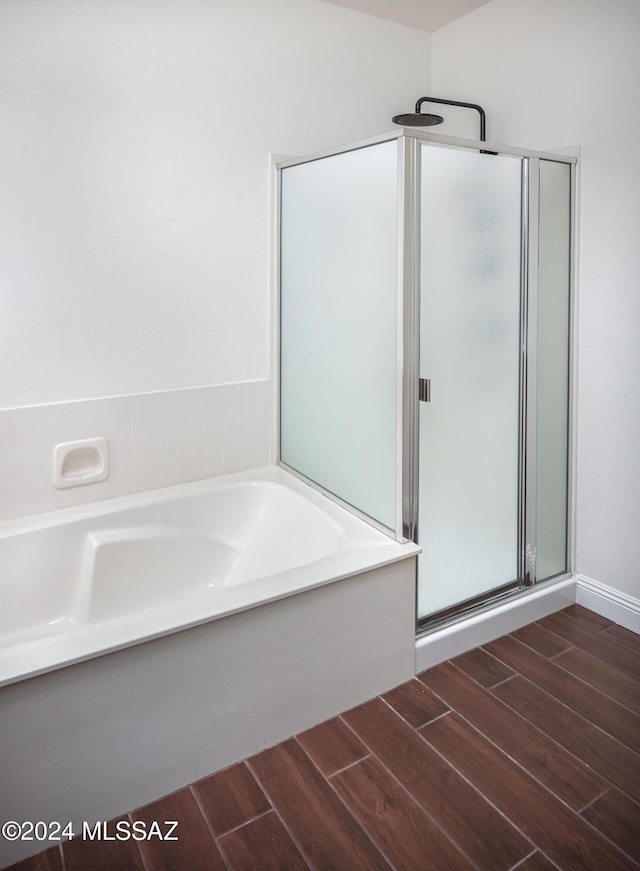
{"x": 484, "y": 625}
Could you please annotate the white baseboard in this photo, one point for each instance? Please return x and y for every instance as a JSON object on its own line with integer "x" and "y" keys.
{"x": 608, "y": 602}
{"x": 485, "y": 626}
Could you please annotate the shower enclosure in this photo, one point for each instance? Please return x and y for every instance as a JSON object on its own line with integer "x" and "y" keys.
{"x": 424, "y": 349}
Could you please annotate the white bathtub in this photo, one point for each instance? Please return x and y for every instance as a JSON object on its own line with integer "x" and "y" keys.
{"x": 79, "y": 582}
{"x": 264, "y": 609}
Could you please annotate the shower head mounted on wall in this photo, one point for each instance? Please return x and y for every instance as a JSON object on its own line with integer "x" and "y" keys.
{"x": 418, "y": 119}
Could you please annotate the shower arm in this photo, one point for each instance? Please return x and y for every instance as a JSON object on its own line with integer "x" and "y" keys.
{"x": 475, "y": 106}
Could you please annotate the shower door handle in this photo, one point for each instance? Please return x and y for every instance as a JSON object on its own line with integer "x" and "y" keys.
{"x": 424, "y": 389}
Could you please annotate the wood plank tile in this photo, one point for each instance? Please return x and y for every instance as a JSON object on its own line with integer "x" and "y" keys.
{"x": 324, "y": 830}
{"x": 536, "y": 862}
{"x": 618, "y": 817}
{"x": 482, "y": 667}
{"x": 103, "y": 855}
{"x": 262, "y": 845}
{"x": 562, "y": 625}
{"x": 602, "y": 752}
{"x": 607, "y": 645}
{"x": 541, "y": 640}
{"x": 48, "y": 860}
{"x": 230, "y": 798}
{"x": 567, "y": 777}
{"x": 604, "y": 677}
{"x": 588, "y": 618}
{"x": 626, "y": 636}
{"x": 483, "y": 835}
{"x": 415, "y": 703}
{"x": 195, "y": 847}
{"x": 394, "y": 821}
{"x": 590, "y": 703}
{"x": 332, "y": 746}
{"x": 561, "y": 834}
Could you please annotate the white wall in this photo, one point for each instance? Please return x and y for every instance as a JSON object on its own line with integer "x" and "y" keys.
{"x": 134, "y": 177}
{"x": 554, "y": 73}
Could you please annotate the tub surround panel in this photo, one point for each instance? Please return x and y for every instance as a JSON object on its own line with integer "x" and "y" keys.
{"x": 155, "y": 440}
{"x": 139, "y": 723}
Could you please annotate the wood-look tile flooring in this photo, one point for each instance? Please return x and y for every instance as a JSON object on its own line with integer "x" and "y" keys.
{"x": 524, "y": 753}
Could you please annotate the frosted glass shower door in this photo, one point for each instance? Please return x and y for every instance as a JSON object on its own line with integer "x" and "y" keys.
{"x": 338, "y": 325}
{"x": 470, "y": 282}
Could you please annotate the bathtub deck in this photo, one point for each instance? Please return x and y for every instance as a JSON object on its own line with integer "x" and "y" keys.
{"x": 453, "y": 770}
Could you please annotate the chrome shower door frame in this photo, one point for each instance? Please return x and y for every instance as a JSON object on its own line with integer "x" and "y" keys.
{"x": 408, "y": 343}
{"x": 527, "y": 447}
{"x": 406, "y": 284}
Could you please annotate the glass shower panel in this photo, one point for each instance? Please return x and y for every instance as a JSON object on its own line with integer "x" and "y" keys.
{"x": 338, "y": 325}
{"x": 552, "y": 405}
{"x": 470, "y": 350}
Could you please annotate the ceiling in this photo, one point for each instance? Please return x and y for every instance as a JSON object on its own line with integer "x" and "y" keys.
{"x": 425, "y": 14}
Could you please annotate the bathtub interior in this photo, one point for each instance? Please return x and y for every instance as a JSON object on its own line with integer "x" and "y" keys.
{"x": 80, "y": 581}
{"x": 119, "y": 561}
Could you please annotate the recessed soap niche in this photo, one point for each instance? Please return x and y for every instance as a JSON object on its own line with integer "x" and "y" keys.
{"x": 80, "y": 462}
